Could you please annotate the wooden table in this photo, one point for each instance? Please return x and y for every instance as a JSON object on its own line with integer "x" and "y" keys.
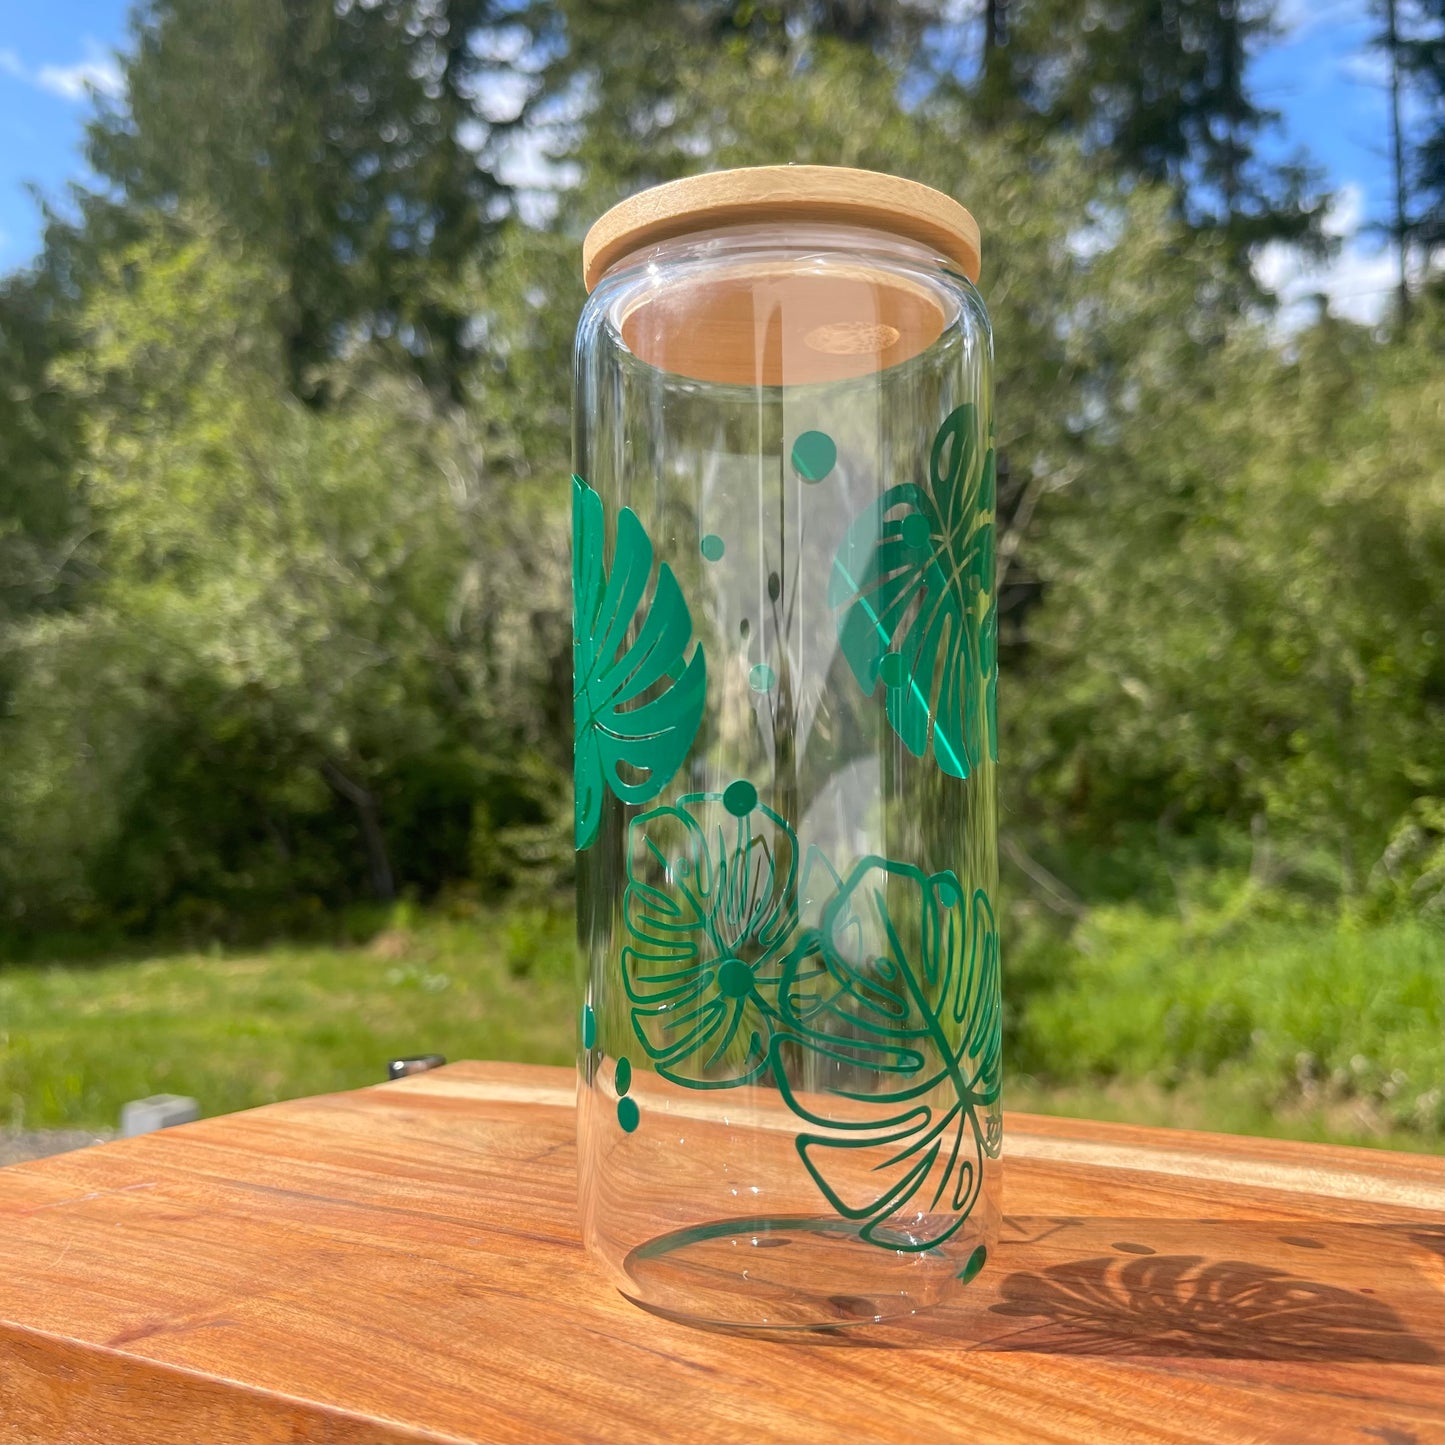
{"x": 402, "y": 1263}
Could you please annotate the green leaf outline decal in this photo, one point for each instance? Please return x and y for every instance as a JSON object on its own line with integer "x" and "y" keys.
{"x": 635, "y": 704}
{"x": 913, "y": 580}
{"x": 710, "y": 908}
{"x": 720, "y": 977}
{"x": 896, "y": 1024}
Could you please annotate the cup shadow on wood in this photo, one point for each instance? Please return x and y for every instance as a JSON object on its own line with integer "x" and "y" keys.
{"x": 1287, "y": 1290}
{"x": 1219, "y": 1289}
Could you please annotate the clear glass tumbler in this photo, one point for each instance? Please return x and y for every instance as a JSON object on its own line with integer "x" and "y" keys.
{"x": 785, "y": 671}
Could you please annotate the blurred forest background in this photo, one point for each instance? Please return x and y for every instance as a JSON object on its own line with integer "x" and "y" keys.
{"x": 284, "y": 619}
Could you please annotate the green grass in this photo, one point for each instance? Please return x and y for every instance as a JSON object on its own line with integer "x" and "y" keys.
{"x": 234, "y": 1031}
{"x": 1294, "y": 1028}
{"x": 1313, "y": 1029}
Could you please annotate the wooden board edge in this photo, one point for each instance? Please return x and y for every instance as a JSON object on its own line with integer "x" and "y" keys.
{"x": 56, "y": 1388}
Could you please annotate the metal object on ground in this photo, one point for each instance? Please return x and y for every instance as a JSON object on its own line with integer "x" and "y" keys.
{"x": 160, "y": 1111}
{"x": 413, "y": 1064}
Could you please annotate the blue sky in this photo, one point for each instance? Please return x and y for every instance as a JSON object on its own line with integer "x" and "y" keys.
{"x": 49, "y": 52}
{"x": 1321, "y": 77}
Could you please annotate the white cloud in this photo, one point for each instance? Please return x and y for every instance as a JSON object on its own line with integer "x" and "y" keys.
{"x": 99, "y": 71}
{"x": 1365, "y": 67}
{"x": 1358, "y": 281}
{"x": 1347, "y": 211}
{"x": 74, "y": 82}
{"x": 1298, "y": 18}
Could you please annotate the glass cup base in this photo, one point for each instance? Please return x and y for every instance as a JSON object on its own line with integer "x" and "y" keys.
{"x": 786, "y": 1272}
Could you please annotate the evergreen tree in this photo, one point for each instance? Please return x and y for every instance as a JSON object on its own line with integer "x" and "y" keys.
{"x": 1423, "y": 63}
{"x": 358, "y": 144}
{"x": 1158, "y": 89}
{"x": 39, "y": 511}
{"x": 1411, "y": 38}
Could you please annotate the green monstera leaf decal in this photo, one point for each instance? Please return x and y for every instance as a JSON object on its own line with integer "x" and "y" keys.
{"x": 710, "y": 907}
{"x": 637, "y": 700}
{"x": 899, "y": 981}
{"x": 912, "y": 586}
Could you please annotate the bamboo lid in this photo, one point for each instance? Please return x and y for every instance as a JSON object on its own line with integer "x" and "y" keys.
{"x": 783, "y": 193}
{"x": 765, "y": 321}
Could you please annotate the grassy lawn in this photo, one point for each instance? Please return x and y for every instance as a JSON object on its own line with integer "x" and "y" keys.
{"x": 1309, "y": 1029}
{"x": 77, "y": 1041}
{"x": 1298, "y": 1030}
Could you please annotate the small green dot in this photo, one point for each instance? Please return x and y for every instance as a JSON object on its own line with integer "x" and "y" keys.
{"x": 916, "y": 532}
{"x": 589, "y": 1026}
{"x": 976, "y": 1262}
{"x": 740, "y": 798}
{"x": 761, "y": 678}
{"x": 734, "y": 978}
{"x": 712, "y": 547}
{"x": 814, "y": 455}
{"x": 894, "y": 670}
{"x": 628, "y": 1115}
{"x": 622, "y": 1075}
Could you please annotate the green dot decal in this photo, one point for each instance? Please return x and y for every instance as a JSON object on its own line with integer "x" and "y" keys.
{"x": 762, "y": 678}
{"x": 628, "y": 1115}
{"x": 712, "y": 547}
{"x": 894, "y": 670}
{"x": 734, "y": 979}
{"x": 622, "y": 1075}
{"x": 589, "y": 1026}
{"x": 976, "y": 1262}
{"x": 915, "y": 532}
{"x": 740, "y": 798}
{"x": 814, "y": 455}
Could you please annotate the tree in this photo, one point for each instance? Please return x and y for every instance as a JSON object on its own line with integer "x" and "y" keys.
{"x": 359, "y": 144}
{"x": 1158, "y": 88}
{"x": 40, "y": 513}
{"x": 1241, "y": 616}
{"x": 291, "y": 407}
{"x": 1422, "y": 55}
{"x": 288, "y": 616}
{"x": 1412, "y": 40}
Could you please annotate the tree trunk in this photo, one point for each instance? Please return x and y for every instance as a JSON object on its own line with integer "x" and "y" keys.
{"x": 1401, "y": 227}
{"x": 994, "y": 23}
{"x": 383, "y": 885}
{"x": 997, "y": 93}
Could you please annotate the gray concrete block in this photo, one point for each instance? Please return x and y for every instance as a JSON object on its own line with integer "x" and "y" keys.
{"x": 160, "y": 1111}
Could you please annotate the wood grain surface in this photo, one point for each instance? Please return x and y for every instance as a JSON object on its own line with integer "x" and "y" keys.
{"x": 402, "y": 1263}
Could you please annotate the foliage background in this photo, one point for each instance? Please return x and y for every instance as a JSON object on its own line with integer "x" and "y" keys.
{"x": 284, "y": 639}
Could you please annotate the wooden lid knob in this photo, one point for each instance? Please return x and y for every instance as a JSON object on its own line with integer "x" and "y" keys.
{"x": 820, "y": 194}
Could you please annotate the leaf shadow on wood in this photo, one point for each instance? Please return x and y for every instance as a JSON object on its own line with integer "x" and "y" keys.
{"x": 1185, "y": 1289}
{"x": 1218, "y": 1289}
{"x": 1180, "y": 1304}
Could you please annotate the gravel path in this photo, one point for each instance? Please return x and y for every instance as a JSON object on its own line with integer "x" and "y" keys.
{"x": 18, "y": 1144}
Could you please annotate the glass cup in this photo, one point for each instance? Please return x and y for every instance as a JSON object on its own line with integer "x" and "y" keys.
{"x": 785, "y": 673}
